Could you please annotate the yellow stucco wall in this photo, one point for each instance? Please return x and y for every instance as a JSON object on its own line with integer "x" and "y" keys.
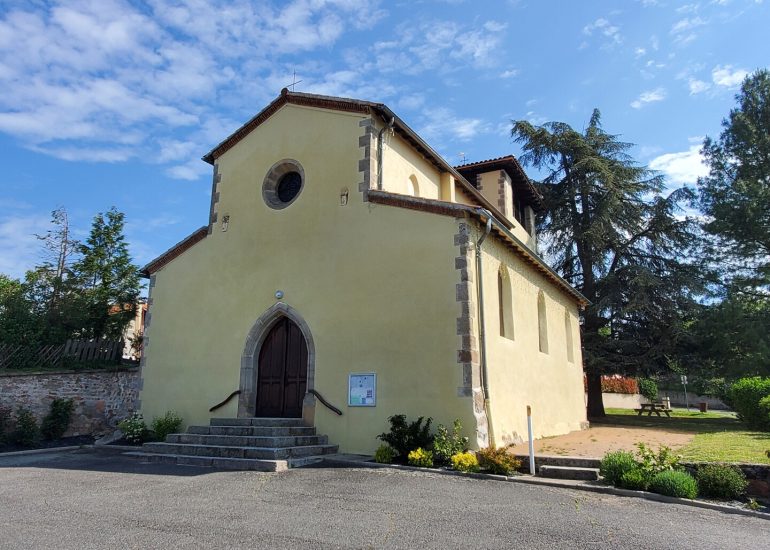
{"x": 375, "y": 284}
{"x": 401, "y": 161}
{"x": 519, "y": 373}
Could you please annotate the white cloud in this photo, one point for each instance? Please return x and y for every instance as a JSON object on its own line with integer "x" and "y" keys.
{"x": 604, "y": 28}
{"x": 113, "y": 80}
{"x": 441, "y": 125}
{"x": 650, "y": 96}
{"x": 510, "y": 73}
{"x": 697, "y": 86}
{"x": 442, "y": 46}
{"x": 681, "y": 168}
{"x": 684, "y": 29}
{"x": 727, "y": 76}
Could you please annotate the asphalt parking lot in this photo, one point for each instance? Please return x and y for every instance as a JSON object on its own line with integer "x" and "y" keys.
{"x": 90, "y": 499}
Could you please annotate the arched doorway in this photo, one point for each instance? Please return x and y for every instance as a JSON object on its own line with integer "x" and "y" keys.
{"x": 255, "y": 341}
{"x": 282, "y": 371}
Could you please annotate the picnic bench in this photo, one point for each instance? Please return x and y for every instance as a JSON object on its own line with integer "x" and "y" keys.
{"x": 656, "y": 408}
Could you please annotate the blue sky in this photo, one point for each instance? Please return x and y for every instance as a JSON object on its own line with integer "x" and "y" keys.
{"x": 110, "y": 102}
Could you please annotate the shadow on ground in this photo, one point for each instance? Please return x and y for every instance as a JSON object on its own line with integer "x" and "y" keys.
{"x": 99, "y": 460}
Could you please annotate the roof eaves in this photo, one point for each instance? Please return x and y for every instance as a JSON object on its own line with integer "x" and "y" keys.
{"x": 174, "y": 252}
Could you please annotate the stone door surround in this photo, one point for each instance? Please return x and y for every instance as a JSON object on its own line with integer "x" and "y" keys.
{"x": 247, "y": 400}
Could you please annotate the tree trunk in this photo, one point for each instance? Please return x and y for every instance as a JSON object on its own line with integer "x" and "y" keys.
{"x": 595, "y": 406}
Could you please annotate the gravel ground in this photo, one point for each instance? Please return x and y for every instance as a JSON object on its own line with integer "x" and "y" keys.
{"x": 88, "y": 499}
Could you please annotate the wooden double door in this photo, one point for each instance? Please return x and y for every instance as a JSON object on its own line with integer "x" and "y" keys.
{"x": 282, "y": 372}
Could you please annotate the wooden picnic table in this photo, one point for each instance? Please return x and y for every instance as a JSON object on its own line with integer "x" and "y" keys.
{"x": 656, "y": 408}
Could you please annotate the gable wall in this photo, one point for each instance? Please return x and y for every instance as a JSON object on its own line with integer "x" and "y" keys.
{"x": 400, "y": 162}
{"x": 375, "y": 285}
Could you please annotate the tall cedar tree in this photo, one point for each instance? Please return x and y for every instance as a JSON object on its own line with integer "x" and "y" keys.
{"x": 736, "y": 198}
{"x": 612, "y": 234}
{"x": 108, "y": 280}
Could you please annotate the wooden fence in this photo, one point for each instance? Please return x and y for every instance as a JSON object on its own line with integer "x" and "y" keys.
{"x": 13, "y": 356}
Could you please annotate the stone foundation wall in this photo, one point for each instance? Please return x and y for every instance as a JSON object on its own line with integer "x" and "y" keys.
{"x": 102, "y": 398}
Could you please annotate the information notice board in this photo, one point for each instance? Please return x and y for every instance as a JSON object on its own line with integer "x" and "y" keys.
{"x": 362, "y": 390}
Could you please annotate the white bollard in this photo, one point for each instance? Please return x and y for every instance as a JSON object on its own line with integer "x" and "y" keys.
{"x": 531, "y": 442}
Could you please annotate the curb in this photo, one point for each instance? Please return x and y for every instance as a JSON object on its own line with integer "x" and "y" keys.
{"x": 43, "y": 451}
{"x": 579, "y": 486}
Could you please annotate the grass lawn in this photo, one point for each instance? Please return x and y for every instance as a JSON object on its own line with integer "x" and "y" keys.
{"x": 718, "y": 436}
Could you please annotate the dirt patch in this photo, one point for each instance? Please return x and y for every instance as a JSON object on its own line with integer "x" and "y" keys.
{"x": 596, "y": 441}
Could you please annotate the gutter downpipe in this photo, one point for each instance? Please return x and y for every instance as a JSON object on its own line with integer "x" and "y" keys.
{"x": 388, "y": 126}
{"x": 482, "y": 335}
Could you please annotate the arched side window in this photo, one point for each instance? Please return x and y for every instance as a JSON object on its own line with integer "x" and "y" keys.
{"x": 412, "y": 187}
{"x": 542, "y": 322}
{"x": 568, "y": 332}
{"x": 505, "y": 302}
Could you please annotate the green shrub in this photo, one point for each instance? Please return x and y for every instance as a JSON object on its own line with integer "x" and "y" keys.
{"x": 134, "y": 428}
{"x": 652, "y": 463}
{"x": 635, "y": 480}
{"x": 56, "y": 422}
{"x": 615, "y": 464}
{"x": 404, "y": 437}
{"x": 446, "y": 444}
{"x": 674, "y": 483}
{"x": 764, "y": 405}
{"x": 465, "y": 462}
{"x": 384, "y": 454}
{"x": 169, "y": 423}
{"x": 498, "y": 460}
{"x": 721, "y": 481}
{"x": 5, "y": 424}
{"x": 420, "y": 457}
{"x": 745, "y": 395}
{"x": 27, "y": 433}
{"x": 648, "y": 388}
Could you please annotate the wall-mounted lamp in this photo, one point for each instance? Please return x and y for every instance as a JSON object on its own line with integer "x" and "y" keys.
{"x": 225, "y": 222}
{"x": 344, "y": 196}
{"x": 278, "y": 294}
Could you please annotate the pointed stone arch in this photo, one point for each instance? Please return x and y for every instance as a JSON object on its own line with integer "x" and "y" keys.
{"x": 247, "y": 400}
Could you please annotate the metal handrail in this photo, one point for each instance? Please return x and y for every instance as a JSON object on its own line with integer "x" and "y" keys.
{"x": 325, "y": 402}
{"x": 223, "y": 403}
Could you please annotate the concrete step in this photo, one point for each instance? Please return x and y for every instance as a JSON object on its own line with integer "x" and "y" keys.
{"x": 266, "y": 422}
{"x": 256, "y": 431}
{"x": 270, "y": 453}
{"x": 303, "y": 461}
{"x": 259, "y": 465}
{"x": 248, "y": 441}
{"x": 569, "y": 472}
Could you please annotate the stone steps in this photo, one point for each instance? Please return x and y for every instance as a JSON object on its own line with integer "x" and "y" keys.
{"x": 255, "y": 431}
{"x": 221, "y": 451}
{"x": 265, "y": 422}
{"x": 213, "y": 462}
{"x": 569, "y": 472}
{"x": 248, "y": 441}
{"x": 262, "y": 444}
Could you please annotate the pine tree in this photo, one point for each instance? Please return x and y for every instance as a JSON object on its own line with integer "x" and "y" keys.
{"x": 108, "y": 280}
{"x": 610, "y": 231}
{"x": 735, "y": 196}
{"x": 736, "y": 193}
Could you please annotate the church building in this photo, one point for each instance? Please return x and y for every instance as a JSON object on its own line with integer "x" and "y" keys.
{"x": 348, "y": 273}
